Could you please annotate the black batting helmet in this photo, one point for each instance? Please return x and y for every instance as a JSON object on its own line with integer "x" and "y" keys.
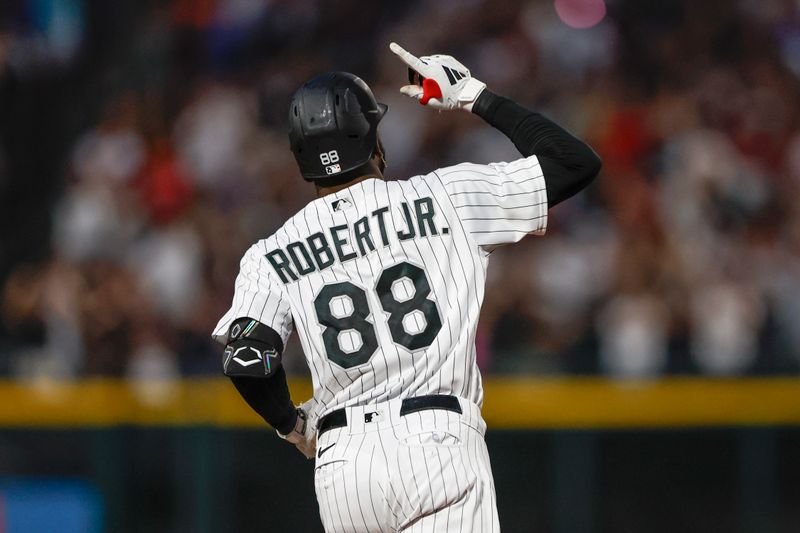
{"x": 333, "y": 125}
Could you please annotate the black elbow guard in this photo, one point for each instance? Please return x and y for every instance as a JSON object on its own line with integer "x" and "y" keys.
{"x": 253, "y": 349}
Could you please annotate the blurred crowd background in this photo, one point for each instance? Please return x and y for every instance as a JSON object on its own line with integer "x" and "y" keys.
{"x": 143, "y": 147}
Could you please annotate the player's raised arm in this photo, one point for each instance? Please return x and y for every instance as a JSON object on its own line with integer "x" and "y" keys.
{"x": 567, "y": 163}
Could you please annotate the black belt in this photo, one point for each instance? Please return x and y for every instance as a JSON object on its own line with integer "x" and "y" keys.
{"x": 338, "y": 418}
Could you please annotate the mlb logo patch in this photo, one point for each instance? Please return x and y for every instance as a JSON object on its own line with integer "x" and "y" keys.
{"x": 341, "y": 204}
{"x": 333, "y": 169}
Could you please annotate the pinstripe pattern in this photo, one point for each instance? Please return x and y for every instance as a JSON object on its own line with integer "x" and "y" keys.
{"x": 424, "y": 472}
{"x": 471, "y": 209}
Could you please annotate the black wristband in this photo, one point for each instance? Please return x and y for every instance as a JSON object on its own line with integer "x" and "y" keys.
{"x": 485, "y": 105}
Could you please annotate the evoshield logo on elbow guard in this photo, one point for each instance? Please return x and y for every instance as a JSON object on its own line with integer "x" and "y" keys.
{"x": 265, "y": 356}
{"x": 240, "y": 356}
{"x": 246, "y": 362}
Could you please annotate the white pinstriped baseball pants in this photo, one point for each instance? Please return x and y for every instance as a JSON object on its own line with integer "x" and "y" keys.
{"x": 426, "y": 471}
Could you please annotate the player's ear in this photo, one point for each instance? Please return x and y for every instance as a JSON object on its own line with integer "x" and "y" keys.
{"x": 379, "y": 155}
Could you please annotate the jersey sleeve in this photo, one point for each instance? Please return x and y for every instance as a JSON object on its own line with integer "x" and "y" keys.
{"x": 257, "y": 295}
{"x": 498, "y": 203}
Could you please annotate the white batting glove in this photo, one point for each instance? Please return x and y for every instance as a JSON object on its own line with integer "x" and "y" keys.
{"x": 444, "y": 83}
{"x": 304, "y": 434}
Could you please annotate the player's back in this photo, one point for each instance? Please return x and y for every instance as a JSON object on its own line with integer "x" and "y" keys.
{"x": 383, "y": 281}
{"x": 385, "y": 289}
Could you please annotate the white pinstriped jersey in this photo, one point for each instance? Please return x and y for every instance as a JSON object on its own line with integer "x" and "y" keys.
{"x": 384, "y": 281}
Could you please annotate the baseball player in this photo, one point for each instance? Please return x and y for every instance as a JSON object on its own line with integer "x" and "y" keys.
{"x": 383, "y": 282}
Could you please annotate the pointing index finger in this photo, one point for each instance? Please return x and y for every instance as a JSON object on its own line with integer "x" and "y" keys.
{"x": 408, "y": 58}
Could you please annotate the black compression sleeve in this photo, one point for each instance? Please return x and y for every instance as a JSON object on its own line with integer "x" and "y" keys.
{"x": 568, "y": 164}
{"x": 269, "y": 397}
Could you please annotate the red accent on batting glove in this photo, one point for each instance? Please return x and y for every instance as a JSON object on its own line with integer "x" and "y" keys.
{"x": 430, "y": 89}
